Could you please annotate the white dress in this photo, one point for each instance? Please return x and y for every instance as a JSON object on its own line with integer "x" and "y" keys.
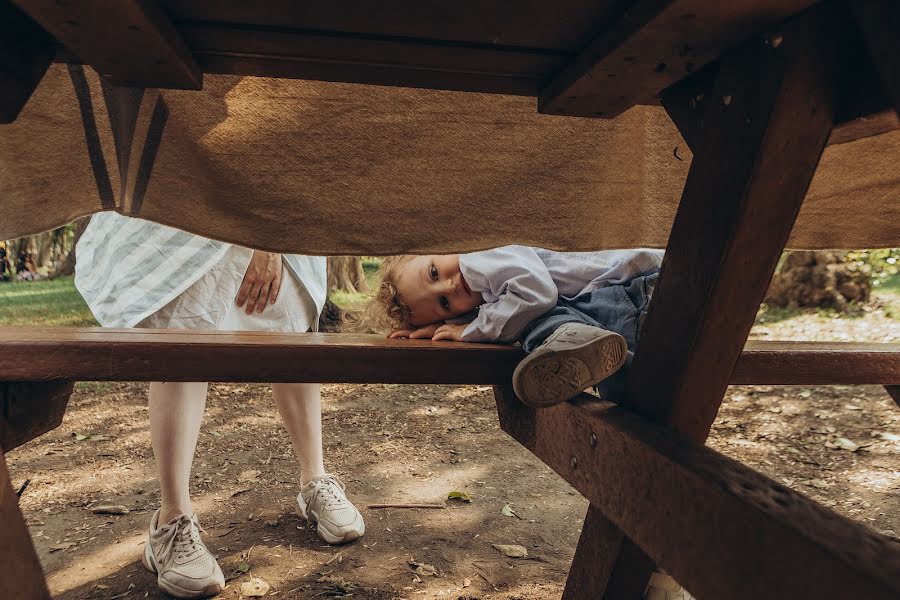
{"x": 134, "y": 273}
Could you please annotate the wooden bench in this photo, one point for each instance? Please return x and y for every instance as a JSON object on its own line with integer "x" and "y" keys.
{"x": 580, "y": 440}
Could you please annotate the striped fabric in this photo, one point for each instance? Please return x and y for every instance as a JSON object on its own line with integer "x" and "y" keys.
{"x": 129, "y": 268}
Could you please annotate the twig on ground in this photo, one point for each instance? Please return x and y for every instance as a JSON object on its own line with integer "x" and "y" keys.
{"x": 22, "y": 489}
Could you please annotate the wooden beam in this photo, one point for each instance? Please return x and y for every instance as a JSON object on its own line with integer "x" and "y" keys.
{"x": 653, "y": 44}
{"x": 817, "y": 363}
{"x": 879, "y": 21}
{"x": 130, "y": 42}
{"x": 30, "y": 409}
{"x": 98, "y": 354}
{"x": 720, "y": 528}
{"x": 765, "y": 121}
{"x": 864, "y": 111}
{"x": 606, "y": 563}
{"x": 22, "y": 575}
{"x": 26, "y": 51}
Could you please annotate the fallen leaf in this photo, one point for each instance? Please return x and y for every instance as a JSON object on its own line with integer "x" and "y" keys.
{"x": 240, "y": 491}
{"x": 336, "y": 586}
{"x": 845, "y": 444}
{"x": 888, "y": 437}
{"x": 511, "y": 550}
{"x": 467, "y": 582}
{"x": 80, "y": 437}
{"x": 243, "y": 567}
{"x": 507, "y": 511}
{"x": 461, "y": 496}
{"x": 254, "y": 588}
{"x": 852, "y": 407}
{"x": 805, "y": 394}
{"x": 249, "y": 476}
{"x": 109, "y": 509}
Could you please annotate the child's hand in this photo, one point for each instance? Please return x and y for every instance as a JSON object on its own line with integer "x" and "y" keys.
{"x": 448, "y": 331}
{"x": 415, "y": 334}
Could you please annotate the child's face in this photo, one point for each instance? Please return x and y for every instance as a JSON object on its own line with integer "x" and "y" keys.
{"x": 434, "y": 289}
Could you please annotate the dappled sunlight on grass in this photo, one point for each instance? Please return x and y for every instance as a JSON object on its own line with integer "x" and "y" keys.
{"x": 49, "y": 302}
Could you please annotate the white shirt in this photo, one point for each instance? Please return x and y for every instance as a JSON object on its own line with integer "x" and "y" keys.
{"x": 519, "y": 283}
{"x": 127, "y": 268}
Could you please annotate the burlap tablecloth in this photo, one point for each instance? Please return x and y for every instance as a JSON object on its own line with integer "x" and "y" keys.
{"x": 326, "y": 168}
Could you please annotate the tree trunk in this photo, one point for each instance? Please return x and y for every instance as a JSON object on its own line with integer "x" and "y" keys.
{"x": 68, "y": 266}
{"x": 346, "y": 274}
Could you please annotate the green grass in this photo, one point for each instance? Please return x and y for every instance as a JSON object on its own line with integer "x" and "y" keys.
{"x": 47, "y": 302}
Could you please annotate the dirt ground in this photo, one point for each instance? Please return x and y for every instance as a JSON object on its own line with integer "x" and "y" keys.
{"x": 397, "y": 444}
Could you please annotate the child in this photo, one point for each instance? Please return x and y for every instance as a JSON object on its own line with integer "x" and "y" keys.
{"x": 577, "y": 315}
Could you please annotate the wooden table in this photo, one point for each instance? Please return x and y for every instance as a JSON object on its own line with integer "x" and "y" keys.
{"x": 757, "y": 88}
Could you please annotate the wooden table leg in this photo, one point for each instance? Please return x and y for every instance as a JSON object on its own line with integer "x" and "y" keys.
{"x": 31, "y": 408}
{"x": 764, "y": 126}
{"x": 894, "y": 391}
{"x": 23, "y": 578}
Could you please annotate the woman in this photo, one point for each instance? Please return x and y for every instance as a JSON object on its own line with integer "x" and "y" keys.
{"x": 135, "y": 273}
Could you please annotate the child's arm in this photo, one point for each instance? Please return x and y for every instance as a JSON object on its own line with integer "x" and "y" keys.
{"x": 523, "y": 286}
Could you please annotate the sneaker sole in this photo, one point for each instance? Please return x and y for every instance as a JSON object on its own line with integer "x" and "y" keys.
{"x": 173, "y": 590}
{"x": 354, "y": 534}
{"x": 548, "y": 378}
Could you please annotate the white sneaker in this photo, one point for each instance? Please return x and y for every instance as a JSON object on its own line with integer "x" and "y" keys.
{"x": 662, "y": 587}
{"x": 184, "y": 566}
{"x": 322, "y": 501}
{"x": 571, "y": 359}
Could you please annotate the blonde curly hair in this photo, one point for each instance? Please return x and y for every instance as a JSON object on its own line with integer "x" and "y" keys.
{"x": 385, "y": 311}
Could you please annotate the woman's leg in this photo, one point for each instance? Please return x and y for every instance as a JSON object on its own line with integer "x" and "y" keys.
{"x": 176, "y": 410}
{"x": 300, "y": 406}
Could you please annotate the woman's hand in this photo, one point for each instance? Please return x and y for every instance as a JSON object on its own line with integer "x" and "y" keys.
{"x": 448, "y": 331}
{"x": 262, "y": 281}
{"x": 416, "y": 334}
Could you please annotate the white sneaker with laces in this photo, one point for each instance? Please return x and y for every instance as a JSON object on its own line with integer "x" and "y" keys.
{"x": 571, "y": 359}
{"x": 185, "y": 568}
{"x": 662, "y": 587}
{"x": 322, "y": 501}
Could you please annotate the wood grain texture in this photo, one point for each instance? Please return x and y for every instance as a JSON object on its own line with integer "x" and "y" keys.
{"x": 30, "y": 409}
{"x": 653, "y": 44}
{"x": 130, "y": 42}
{"x": 26, "y": 51}
{"x": 97, "y": 354}
{"x": 718, "y": 527}
{"x": 86, "y": 354}
{"x": 23, "y": 578}
{"x": 768, "y": 117}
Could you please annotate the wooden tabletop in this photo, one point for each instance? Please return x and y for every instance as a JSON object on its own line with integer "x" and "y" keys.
{"x": 566, "y": 52}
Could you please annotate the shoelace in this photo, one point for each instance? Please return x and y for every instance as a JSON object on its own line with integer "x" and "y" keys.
{"x": 183, "y": 539}
{"x": 331, "y": 490}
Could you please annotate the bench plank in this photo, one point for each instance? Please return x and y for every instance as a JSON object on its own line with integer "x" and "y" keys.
{"x": 720, "y": 528}
{"x": 98, "y": 354}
